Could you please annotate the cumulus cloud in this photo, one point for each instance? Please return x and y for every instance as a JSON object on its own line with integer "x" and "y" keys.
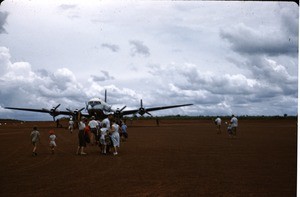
{"x": 138, "y": 48}
{"x": 227, "y": 93}
{"x": 21, "y": 86}
{"x": 269, "y": 77}
{"x": 4, "y": 60}
{"x": 3, "y": 17}
{"x": 246, "y": 40}
{"x": 280, "y": 39}
{"x": 112, "y": 47}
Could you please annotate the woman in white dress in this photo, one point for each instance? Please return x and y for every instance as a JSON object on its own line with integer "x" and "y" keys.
{"x": 115, "y": 137}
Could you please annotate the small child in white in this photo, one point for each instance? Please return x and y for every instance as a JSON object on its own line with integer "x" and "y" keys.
{"x": 52, "y": 139}
{"x": 103, "y": 133}
{"x": 229, "y": 130}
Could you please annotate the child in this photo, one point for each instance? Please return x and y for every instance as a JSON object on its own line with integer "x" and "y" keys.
{"x": 229, "y": 129}
{"x": 52, "y": 139}
{"x": 71, "y": 125}
{"x": 103, "y": 133}
{"x": 35, "y": 138}
{"x": 124, "y": 134}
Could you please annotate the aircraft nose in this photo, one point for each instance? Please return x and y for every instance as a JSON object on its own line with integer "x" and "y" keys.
{"x": 96, "y": 106}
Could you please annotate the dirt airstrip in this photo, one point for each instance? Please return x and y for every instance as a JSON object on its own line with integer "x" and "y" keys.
{"x": 176, "y": 158}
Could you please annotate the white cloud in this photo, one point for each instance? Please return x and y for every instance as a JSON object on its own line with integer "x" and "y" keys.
{"x": 248, "y": 40}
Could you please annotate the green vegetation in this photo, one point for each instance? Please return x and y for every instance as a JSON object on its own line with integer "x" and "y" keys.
{"x": 179, "y": 117}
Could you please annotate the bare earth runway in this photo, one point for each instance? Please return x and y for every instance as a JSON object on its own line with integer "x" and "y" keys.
{"x": 178, "y": 158}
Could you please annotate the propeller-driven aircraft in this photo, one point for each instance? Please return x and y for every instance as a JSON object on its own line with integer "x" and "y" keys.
{"x": 98, "y": 108}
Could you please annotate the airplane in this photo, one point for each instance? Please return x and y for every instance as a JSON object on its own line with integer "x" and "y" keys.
{"x": 99, "y": 109}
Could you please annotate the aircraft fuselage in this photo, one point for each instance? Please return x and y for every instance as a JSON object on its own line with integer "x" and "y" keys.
{"x": 98, "y": 108}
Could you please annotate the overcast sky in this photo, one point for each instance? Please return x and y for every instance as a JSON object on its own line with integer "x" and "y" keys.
{"x": 224, "y": 57}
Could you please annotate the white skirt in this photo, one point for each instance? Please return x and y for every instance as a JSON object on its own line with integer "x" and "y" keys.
{"x": 115, "y": 138}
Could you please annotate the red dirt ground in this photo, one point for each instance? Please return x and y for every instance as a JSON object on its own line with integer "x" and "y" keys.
{"x": 178, "y": 158}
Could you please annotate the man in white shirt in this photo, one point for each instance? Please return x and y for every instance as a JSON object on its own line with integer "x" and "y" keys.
{"x": 218, "y": 123}
{"x": 107, "y": 122}
{"x": 234, "y": 124}
{"x": 93, "y": 126}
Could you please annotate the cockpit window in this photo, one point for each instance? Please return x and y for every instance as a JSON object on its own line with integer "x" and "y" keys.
{"x": 95, "y": 103}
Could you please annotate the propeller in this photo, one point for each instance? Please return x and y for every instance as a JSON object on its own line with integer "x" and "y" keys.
{"x": 76, "y": 113}
{"x": 53, "y": 111}
{"x": 142, "y": 110}
{"x": 118, "y": 112}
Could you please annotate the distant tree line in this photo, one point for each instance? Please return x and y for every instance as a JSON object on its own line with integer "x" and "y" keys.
{"x": 180, "y": 117}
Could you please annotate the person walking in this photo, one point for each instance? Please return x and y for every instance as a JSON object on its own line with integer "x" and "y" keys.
{"x": 124, "y": 134}
{"x": 234, "y": 125}
{"x": 71, "y": 125}
{"x": 81, "y": 139}
{"x": 52, "y": 143}
{"x": 93, "y": 127}
{"x": 103, "y": 133}
{"x": 35, "y": 138}
{"x": 218, "y": 123}
{"x": 115, "y": 137}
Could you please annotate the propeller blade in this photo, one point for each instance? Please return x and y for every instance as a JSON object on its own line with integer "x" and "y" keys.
{"x": 149, "y": 114}
{"x": 69, "y": 110}
{"x": 123, "y": 108}
{"x": 56, "y": 107}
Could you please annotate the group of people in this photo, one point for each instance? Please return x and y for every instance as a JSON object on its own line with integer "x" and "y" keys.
{"x": 231, "y": 127}
{"x": 106, "y": 133}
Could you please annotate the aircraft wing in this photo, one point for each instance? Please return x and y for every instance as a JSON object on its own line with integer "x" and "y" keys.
{"x": 40, "y": 110}
{"x": 53, "y": 112}
{"x": 142, "y": 110}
